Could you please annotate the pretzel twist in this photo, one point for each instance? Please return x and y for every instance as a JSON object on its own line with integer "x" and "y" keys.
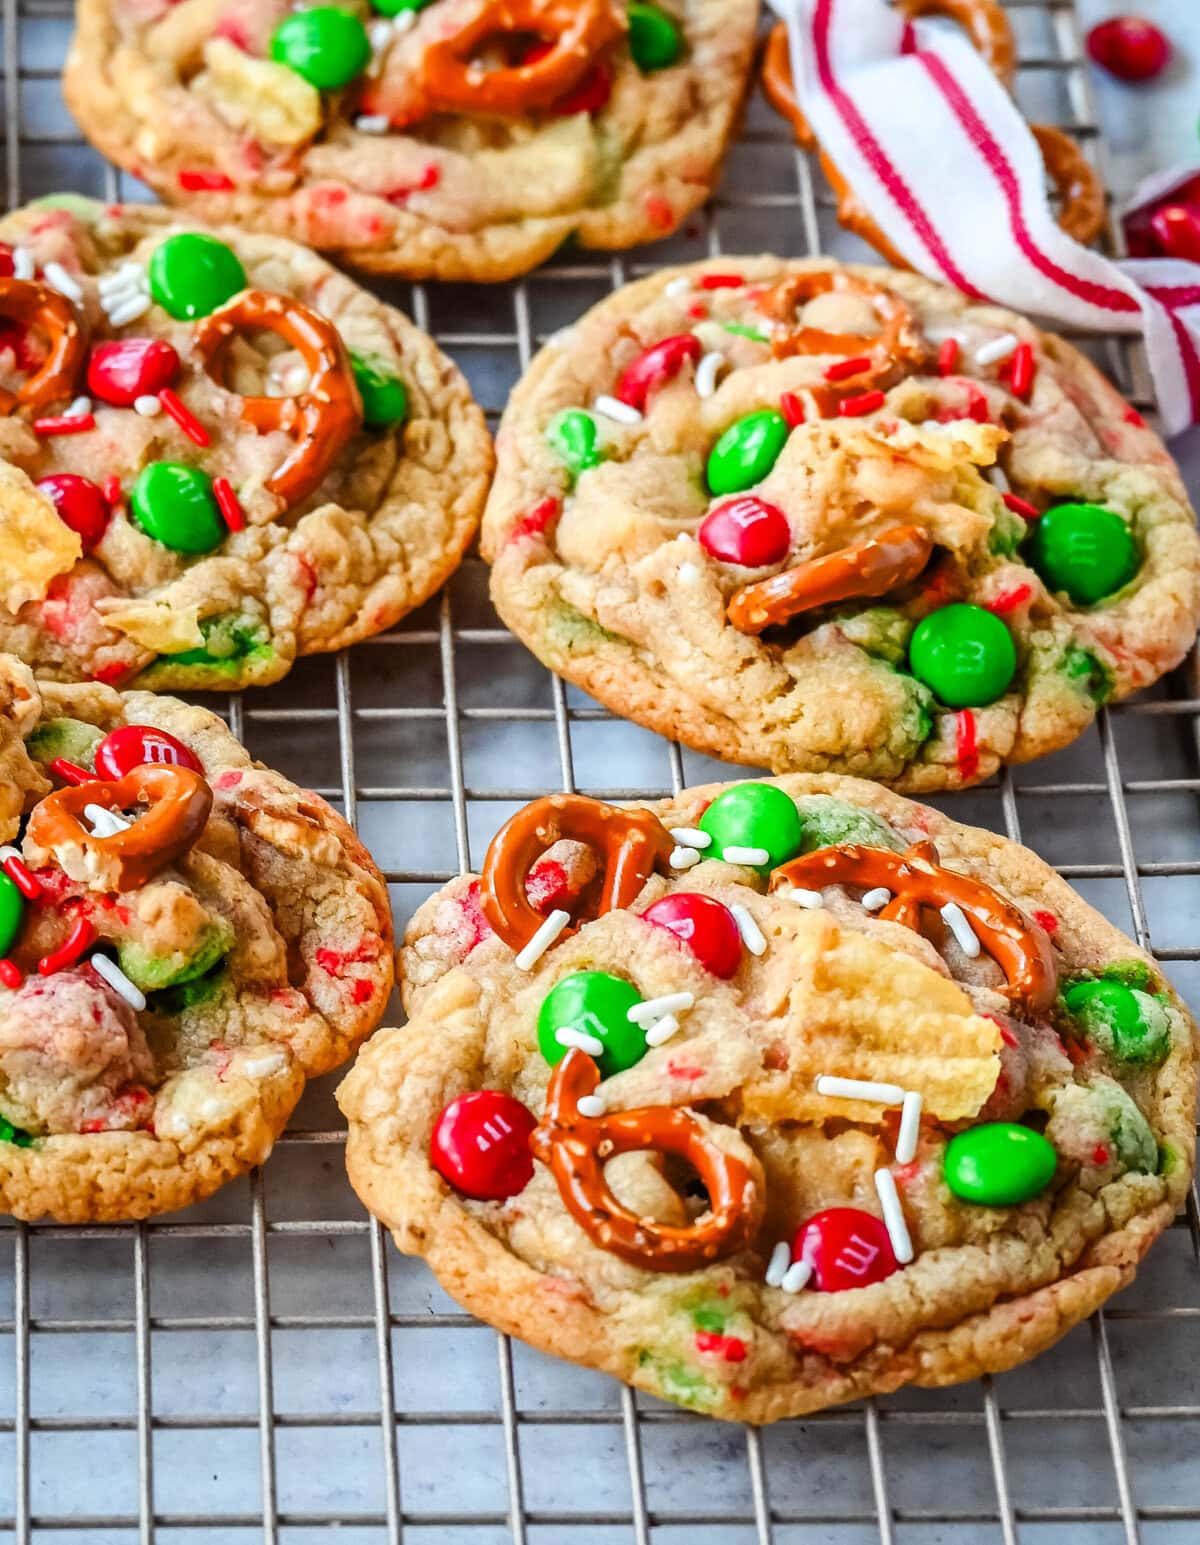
{"x": 633, "y": 843}
{"x": 450, "y": 79}
{"x": 869, "y": 568}
{"x": 575, "y": 1149}
{"x": 323, "y": 417}
{"x": 38, "y": 305}
{"x": 177, "y": 803}
{"x": 916, "y": 879}
{"x": 1082, "y": 210}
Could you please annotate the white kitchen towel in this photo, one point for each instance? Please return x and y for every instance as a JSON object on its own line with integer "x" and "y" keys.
{"x": 931, "y": 143}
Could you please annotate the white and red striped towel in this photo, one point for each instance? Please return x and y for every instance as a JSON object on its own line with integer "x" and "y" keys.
{"x": 933, "y": 146}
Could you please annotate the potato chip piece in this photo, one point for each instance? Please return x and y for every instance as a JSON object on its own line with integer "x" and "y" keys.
{"x": 165, "y": 628}
{"x": 35, "y": 545}
{"x": 851, "y": 1006}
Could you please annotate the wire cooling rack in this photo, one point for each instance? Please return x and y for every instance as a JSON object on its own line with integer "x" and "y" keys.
{"x": 267, "y": 1367}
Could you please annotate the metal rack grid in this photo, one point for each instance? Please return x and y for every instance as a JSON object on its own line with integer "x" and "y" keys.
{"x": 265, "y": 1366}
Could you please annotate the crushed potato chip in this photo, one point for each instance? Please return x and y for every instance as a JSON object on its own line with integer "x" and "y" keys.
{"x": 164, "y": 628}
{"x": 275, "y": 104}
{"x": 35, "y": 545}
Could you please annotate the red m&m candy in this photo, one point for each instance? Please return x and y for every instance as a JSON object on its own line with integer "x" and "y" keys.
{"x": 122, "y": 371}
{"x": 6, "y": 261}
{"x": 79, "y": 503}
{"x": 1129, "y": 47}
{"x": 846, "y": 1248}
{"x": 1176, "y": 229}
{"x": 135, "y": 745}
{"x": 747, "y": 531}
{"x": 654, "y": 368}
{"x": 480, "y": 1144}
{"x": 705, "y": 926}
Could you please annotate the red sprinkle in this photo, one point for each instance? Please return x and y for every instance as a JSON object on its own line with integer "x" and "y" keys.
{"x": 792, "y": 408}
{"x": 1099, "y": 1154}
{"x": 731, "y": 1348}
{"x": 10, "y": 974}
{"x": 110, "y": 673}
{"x": 1021, "y": 507}
{"x": 966, "y": 747}
{"x": 16, "y": 871}
{"x": 112, "y": 490}
{"x": 1132, "y": 416}
{"x": 977, "y": 405}
{"x": 65, "y": 424}
{"x": 361, "y": 990}
{"x": 1009, "y": 600}
{"x": 659, "y": 211}
{"x": 865, "y": 402}
{"x": 80, "y": 938}
{"x": 720, "y": 282}
{"x": 69, "y": 772}
{"x": 1021, "y": 370}
{"x": 947, "y": 360}
{"x": 1006, "y": 1035}
{"x": 537, "y": 520}
{"x": 184, "y": 417}
{"x": 698, "y": 310}
{"x": 843, "y": 369}
{"x": 1046, "y": 921}
{"x": 227, "y": 502}
{"x": 205, "y": 182}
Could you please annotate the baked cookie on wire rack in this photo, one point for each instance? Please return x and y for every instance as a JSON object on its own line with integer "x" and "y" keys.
{"x": 774, "y": 1095}
{"x": 185, "y": 939}
{"x": 805, "y": 515}
{"x": 453, "y": 139}
{"x": 216, "y": 452}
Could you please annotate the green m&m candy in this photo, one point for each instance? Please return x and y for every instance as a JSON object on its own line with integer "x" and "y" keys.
{"x": 395, "y": 7}
{"x": 964, "y": 654}
{"x": 1124, "y": 1022}
{"x": 174, "y": 504}
{"x": 999, "y": 1164}
{"x": 746, "y": 452}
{"x": 191, "y": 275}
{"x": 573, "y": 437}
{"x": 749, "y": 816}
{"x": 11, "y": 910}
{"x": 592, "y": 1006}
{"x": 1084, "y": 549}
{"x": 327, "y": 46}
{"x": 384, "y": 396}
{"x": 655, "y": 40}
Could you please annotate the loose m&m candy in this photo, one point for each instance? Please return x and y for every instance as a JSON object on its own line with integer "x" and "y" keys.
{"x": 746, "y": 531}
{"x": 326, "y": 46}
{"x": 999, "y": 1164}
{"x": 653, "y": 369}
{"x": 754, "y": 815}
{"x": 140, "y": 745}
{"x": 175, "y": 505}
{"x": 1084, "y": 549}
{"x": 79, "y": 505}
{"x": 124, "y": 369}
{"x": 12, "y": 909}
{"x": 191, "y": 275}
{"x": 846, "y": 1248}
{"x": 746, "y": 452}
{"x": 590, "y": 1010}
{"x": 703, "y": 925}
{"x": 964, "y": 654}
{"x": 480, "y": 1145}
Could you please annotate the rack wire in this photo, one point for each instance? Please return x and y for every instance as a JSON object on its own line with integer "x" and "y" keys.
{"x": 266, "y": 1367}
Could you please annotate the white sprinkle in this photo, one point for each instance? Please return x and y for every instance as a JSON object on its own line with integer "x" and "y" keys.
{"x": 79, "y": 407}
{"x": 129, "y": 312}
{"x": 796, "y": 1277}
{"x": 542, "y": 940}
{"x": 781, "y": 1259}
{"x": 683, "y": 858}
{"x": 23, "y": 265}
{"x": 998, "y": 480}
{"x": 752, "y": 934}
{"x": 621, "y": 412}
{"x": 910, "y": 1127}
{"x": 678, "y": 286}
{"x": 653, "y": 1008}
{"x": 706, "y": 374}
{"x": 893, "y": 1216}
{"x": 687, "y": 573}
{"x": 590, "y": 1105}
{"x": 260, "y": 1067}
{"x": 372, "y": 123}
{"x": 148, "y": 406}
{"x": 121, "y": 295}
{"x": 7, "y": 852}
{"x": 381, "y": 32}
{"x": 568, "y": 1037}
{"x": 404, "y": 21}
{"x": 57, "y": 276}
{"x": 662, "y": 1030}
{"x": 998, "y": 349}
{"x": 955, "y": 920}
{"x": 690, "y": 837}
{"x": 803, "y": 898}
{"x": 859, "y": 1089}
{"x": 874, "y": 900}
{"x": 118, "y": 981}
{"x": 120, "y": 278}
{"x": 751, "y": 856}
{"x": 105, "y": 822}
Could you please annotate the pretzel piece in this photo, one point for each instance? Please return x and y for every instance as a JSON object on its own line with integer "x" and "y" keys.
{"x": 916, "y": 879}
{"x": 177, "y": 803}
{"x": 323, "y": 417}
{"x": 575, "y": 1148}
{"x": 633, "y": 843}
{"x": 869, "y": 568}
{"x": 39, "y": 305}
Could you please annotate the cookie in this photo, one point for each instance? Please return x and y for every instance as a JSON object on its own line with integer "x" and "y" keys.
{"x": 186, "y": 938}
{"x": 216, "y": 452}
{"x": 816, "y": 517}
{"x": 774, "y": 1095}
{"x": 462, "y": 139}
